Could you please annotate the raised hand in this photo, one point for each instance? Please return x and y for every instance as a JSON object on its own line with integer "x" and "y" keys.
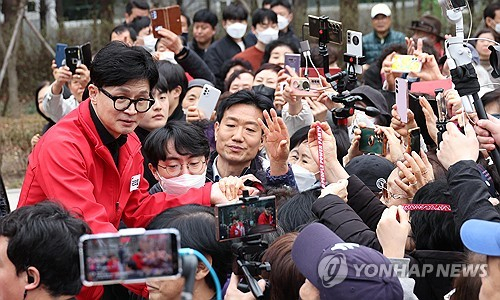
{"x": 276, "y": 142}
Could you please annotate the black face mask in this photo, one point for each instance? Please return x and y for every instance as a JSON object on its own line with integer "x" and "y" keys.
{"x": 264, "y": 91}
{"x": 184, "y": 38}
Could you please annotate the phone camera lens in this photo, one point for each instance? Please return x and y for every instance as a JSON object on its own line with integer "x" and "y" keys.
{"x": 355, "y": 40}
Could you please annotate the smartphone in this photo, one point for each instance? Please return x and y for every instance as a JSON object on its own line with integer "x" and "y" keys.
{"x": 355, "y": 47}
{"x": 168, "y": 18}
{"x": 406, "y": 64}
{"x": 402, "y": 98}
{"x": 208, "y": 99}
{"x": 73, "y": 58}
{"x": 86, "y": 54}
{"x": 306, "y": 87}
{"x": 371, "y": 142}
{"x": 334, "y": 29}
{"x": 293, "y": 61}
{"x": 413, "y": 142}
{"x": 129, "y": 256}
{"x": 60, "y": 54}
{"x": 239, "y": 219}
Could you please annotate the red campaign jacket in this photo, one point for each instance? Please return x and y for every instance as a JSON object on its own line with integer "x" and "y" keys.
{"x": 71, "y": 165}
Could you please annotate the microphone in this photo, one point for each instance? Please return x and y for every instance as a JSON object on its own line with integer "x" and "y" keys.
{"x": 369, "y": 110}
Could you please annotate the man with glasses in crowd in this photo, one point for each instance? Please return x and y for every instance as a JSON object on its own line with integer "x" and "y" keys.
{"x": 91, "y": 160}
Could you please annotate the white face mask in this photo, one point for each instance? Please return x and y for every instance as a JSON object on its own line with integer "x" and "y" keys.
{"x": 497, "y": 27}
{"x": 268, "y": 35}
{"x": 282, "y": 22}
{"x": 236, "y": 30}
{"x": 167, "y": 55}
{"x": 150, "y": 42}
{"x": 360, "y": 116}
{"x": 304, "y": 178}
{"x": 181, "y": 184}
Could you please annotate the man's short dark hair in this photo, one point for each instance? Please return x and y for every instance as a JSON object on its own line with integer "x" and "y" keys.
{"x": 260, "y": 15}
{"x": 45, "y": 236}
{"x": 196, "y": 225}
{"x": 205, "y": 16}
{"x": 141, "y": 4}
{"x": 117, "y": 64}
{"x": 235, "y": 12}
{"x": 248, "y": 97}
{"x": 266, "y": 2}
{"x": 121, "y": 29}
{"x": 284, "y": 3}
{"x": 490, "y": 10}
{"x": 175, "y": 76}
{"x": 435, "y": 230}
{"x": 188, "y": 139}
{"x": 139, "y": 23}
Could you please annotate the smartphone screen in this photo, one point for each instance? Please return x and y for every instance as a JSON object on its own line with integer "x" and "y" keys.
{"x": 413, "y": 140}
{"x": 60, "y": 54}
{"x": 111, "y": 258}
{"x": 293, "y": 61}
{"x": 242, "y": 219}
{"x": 406, "y": 64}
{"x": 371, "y": 142}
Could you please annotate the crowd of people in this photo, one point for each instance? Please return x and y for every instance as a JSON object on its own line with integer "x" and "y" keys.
{"x": 127, "y": 145}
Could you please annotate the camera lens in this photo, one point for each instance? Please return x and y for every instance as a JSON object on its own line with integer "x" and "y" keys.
{"x": 355, "y": 40}
{"x": 306, "y": 86}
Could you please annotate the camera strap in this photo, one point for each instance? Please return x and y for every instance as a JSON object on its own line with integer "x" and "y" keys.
{"x": 321, "y": 156}
{"x": 427, "y": 207}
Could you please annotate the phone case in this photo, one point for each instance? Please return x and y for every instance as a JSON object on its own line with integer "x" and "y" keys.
{"x": 86, "y": 54}
{"x": 402, "y": 99}
{"x": 406, "y": 64}
{"x": 371, "y": 142}
{"x": 168, "y": 18}
{"x": 306, "y": 87}
{"x": 73, "y": 58}
{"x": 293, "y": 61}
{"x": 355, "y": 47}
{"x": 208, "y": 99}
{"x": 60, "y": 54}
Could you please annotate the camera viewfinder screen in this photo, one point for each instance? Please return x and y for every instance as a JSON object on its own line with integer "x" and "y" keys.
{"x": 244, "y": 219}
{"x": 131, "y": 257}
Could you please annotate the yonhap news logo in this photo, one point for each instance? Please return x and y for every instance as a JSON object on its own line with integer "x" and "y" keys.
{"x": 332, "y": 269}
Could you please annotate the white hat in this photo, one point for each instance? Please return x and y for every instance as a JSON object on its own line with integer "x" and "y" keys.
{"x": 381, "y": 9}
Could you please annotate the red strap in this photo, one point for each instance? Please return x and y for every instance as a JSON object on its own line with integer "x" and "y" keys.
{"x": 423, "y": 207}
{"x": 321, "y": 156}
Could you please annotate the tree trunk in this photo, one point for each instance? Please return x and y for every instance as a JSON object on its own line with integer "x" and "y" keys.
{"x": 106, "y": 10}
{"x": 419, "y": 8}
{"x": 12, "y": 104}
{"x": 299, "y": 16}
{"x": 60, "y": 11}
{"x": 395, "y": 14}
{"x": 349, "y": 14}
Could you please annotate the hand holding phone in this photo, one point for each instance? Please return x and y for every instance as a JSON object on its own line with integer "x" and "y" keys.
{"x": 413, "y": 140}
{"x": 208, "y": 100}
{"x": 306, "y": 87}
{"x": 372, "y": 142}
{"x": 168, "y": 18}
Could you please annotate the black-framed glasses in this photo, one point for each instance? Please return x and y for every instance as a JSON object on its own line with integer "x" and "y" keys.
{"x": 122, "y": 103}
{"x": 174, "y": 169}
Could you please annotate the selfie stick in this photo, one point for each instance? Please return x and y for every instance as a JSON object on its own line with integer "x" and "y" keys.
{"x": 459, "y": 59}
{"x": 189, "y": 254}
{"x": 321, "y": 156}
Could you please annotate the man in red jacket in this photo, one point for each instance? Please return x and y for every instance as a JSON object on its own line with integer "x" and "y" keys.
{"x": 91, "y": 160}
